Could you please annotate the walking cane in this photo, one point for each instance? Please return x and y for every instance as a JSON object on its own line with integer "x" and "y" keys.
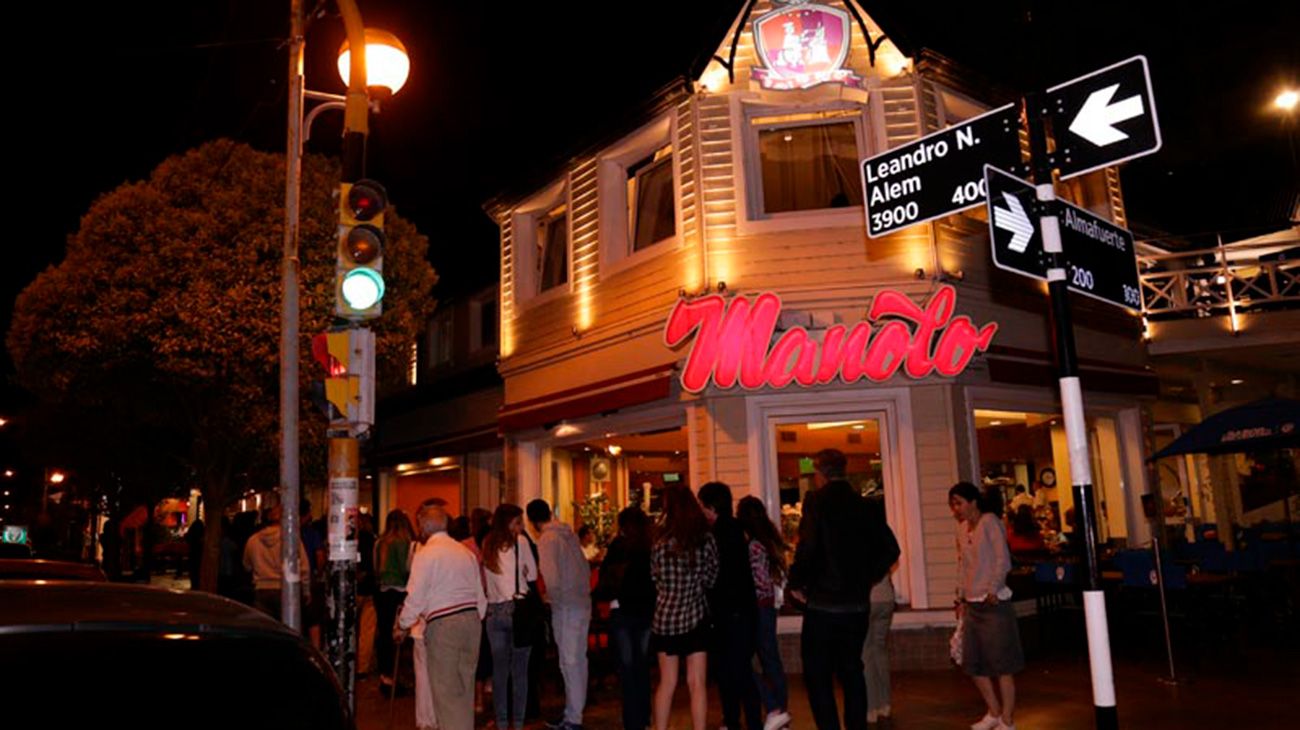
{"x": 392, "y": 696}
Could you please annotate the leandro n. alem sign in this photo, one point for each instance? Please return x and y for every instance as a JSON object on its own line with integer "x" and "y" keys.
{"x": 938, "y": 174}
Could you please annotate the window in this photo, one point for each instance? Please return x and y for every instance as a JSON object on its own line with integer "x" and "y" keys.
{"x": 651, "y": 215}
{"x": 484, "y": 323}
{"x": 809, "y": 167}
{"x": 637, "y": 193}
{"x": 553, "y": 248}
{"x": 440, "y": 339}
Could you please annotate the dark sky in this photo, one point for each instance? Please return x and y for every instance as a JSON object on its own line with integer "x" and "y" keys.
{"x": 499, "y": 90}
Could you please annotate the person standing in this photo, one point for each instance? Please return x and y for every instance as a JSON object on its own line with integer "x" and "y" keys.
{"x": 875, "y": 653}
{"x": 767, "y": 561}
{"x": 835, "y": 565}
{"x": 392, "y": 566}
{"x": 508, "y": 558}
{"x": 480, "y": 524}
{"x": 626, "y": 583}
{"x": 445, "y": 596}
{"x": 683, "y": 564}
{"x": 990, "y": 635}
{"x": 734, "y": 607}
{"x": 262, "y": 559}
{"x": 566, "y": 576}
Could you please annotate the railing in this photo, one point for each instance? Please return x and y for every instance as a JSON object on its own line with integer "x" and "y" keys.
{"x": 1226, "y": 280}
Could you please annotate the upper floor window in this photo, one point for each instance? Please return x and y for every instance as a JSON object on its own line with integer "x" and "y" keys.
{"x": 810, "y": 167}
{"x": 440, "y": 339}
{"x": 483, "y": 321}
{"x": 540, "y": 257}
{"x": 651, "y": 214}
{"x": 637, "y": 179}
{"x": 553, "y": 248}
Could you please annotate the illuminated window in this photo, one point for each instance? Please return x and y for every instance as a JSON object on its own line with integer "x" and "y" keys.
{"x": 810, "y": 167}
{"x": 651, "y": 215}
{"x": 553, "y": 248}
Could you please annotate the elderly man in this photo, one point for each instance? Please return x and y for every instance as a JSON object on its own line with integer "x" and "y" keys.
{"x": 445, "y": 591}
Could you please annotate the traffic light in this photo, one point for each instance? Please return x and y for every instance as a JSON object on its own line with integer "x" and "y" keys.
{"x": 359, "y": 274}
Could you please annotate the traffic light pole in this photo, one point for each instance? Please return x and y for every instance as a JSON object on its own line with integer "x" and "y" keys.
{"x": 1076, "y": 428}
{"x": 290, "y": 587}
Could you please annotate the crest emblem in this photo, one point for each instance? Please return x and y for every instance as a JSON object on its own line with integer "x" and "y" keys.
{"x": 802, "y": 46}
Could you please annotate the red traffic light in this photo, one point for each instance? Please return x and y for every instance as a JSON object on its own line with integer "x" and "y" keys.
{"x": 367, "y": 199}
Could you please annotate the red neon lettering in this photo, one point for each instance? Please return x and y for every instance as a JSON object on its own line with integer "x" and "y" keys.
{"x": 732, "y": 342}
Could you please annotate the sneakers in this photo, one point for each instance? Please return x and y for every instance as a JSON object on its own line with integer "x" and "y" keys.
{"x": 776, "y": 720}
{"x": 989, "y": 722}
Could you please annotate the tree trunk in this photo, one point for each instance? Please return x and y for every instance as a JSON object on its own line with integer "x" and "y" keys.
{"x": 216, "y": 490}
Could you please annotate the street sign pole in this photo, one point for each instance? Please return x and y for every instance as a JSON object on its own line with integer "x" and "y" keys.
{"x": 1076, "y": 429}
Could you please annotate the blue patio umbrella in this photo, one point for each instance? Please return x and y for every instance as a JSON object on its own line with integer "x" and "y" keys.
{"x": 1271, "y": 423}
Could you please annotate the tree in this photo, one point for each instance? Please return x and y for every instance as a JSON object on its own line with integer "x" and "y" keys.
{"x": 165, "y": 313}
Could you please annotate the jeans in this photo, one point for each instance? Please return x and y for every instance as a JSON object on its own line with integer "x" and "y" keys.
{"x": 832, "y": 647}
{"x": 771, "y": 685}
{"x": 509, "y": 666}
{"x": 631, "y": 636}
{"x": 570, "y": 624}
{"x": 875, "y": 655}
{"x": 735, "y": 656}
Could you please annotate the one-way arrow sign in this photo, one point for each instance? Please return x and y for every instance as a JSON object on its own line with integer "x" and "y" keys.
{"x": 1100, "y": 259}
{"x": 1103, "y": 118}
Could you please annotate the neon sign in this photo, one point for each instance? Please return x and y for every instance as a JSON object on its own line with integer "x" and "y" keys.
{"x": 733, "y": 342}
{"x": 803, "y": 46}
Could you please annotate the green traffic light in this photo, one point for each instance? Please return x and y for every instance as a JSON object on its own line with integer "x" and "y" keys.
{"x": 362, "y": 288}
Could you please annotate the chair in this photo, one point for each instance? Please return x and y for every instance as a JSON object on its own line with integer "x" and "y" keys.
{"x": 1057, "y": 585}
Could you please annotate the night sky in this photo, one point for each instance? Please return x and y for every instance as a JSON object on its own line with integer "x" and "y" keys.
{"x": 101, "y": 93}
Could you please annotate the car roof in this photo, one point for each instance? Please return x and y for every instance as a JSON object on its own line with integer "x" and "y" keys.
{"x": 11, "y": 568}
{"x": 28, "y": 606}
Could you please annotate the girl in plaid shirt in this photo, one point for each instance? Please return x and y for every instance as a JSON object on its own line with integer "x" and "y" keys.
{"x": 683, "y": 563}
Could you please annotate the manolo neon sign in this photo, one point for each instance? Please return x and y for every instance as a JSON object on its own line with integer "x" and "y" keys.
{"x": 732, "y": 342}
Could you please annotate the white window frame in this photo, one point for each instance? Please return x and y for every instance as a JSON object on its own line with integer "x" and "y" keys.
{"x": 749, "y": 176}
{"x": 947, "y": 98}
{"x": 526, "y": 217}
{"x": 615, "y": 235}
{"x": 893, "y": 407}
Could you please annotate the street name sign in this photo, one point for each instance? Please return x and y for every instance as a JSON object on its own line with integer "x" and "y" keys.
{"x": 1103, "y": 118}
{"x": 940, "y": 173}
{"x": 1100, "y": 257}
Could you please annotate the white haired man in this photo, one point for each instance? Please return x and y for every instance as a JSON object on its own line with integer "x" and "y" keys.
{"x": 446, "y": 592}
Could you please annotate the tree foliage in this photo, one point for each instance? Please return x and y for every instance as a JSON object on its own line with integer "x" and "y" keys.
{"x": 165, "y": 311}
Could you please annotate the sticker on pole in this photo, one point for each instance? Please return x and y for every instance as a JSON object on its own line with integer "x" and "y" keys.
{"x": 343, "y": 514}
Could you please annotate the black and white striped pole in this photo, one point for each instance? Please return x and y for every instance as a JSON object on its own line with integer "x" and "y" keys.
{"x": 1076, "y": 427}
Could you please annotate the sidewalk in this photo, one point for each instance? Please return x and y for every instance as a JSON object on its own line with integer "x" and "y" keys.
{"x": 1254, "y": 690}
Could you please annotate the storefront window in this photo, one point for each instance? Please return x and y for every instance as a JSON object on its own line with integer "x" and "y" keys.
{"x": 591, "y": 481}
{"x": 810, "y": 167}
{"x": 797, "y": 445}
{"x": 1025, "y": 457}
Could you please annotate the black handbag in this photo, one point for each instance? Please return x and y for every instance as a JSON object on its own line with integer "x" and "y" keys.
{"x": 528, "y": 622}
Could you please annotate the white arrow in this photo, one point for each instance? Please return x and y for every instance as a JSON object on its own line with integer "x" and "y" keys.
{"x": 1096, "y": 119}
{"x": 1016, "y": 221}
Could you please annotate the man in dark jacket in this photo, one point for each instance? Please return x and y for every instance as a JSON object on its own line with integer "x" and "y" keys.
{"x": 733, "y": 606}
{"x": 838, "y": 559}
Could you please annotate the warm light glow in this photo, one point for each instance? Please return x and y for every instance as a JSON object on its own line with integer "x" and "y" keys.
{"x": 387, "y": 65}
{"x": 995, "y": 423}
{"x": 714, "y": 78}
{"x": 832, "y": 424}
{"x": 57, "y": 477}
{"x": 3, "y": 421}
{"x": 9, "y": 472}
{"x": 615, "y": 450}
{"x": 1235, "y": 381}
{"x": 440, "y": 461}
{"x": 1286, "y": 100}
{"x": 566, "y": 429}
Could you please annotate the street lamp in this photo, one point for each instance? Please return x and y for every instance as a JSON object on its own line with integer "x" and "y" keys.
{"x": 387, "y": 65}
{"x": 390, "y": 54}
{"x": 1287, "y": 99}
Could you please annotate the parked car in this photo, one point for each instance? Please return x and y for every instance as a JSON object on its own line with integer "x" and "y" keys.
{"x": 17, "y": 568}
{"x": 83, "y": 654}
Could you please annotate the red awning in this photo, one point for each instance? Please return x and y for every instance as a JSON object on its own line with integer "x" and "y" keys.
{"x": 643, "y": 386}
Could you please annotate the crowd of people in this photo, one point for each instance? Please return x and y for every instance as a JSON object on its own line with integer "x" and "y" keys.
{"x": 697, "y": 592}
